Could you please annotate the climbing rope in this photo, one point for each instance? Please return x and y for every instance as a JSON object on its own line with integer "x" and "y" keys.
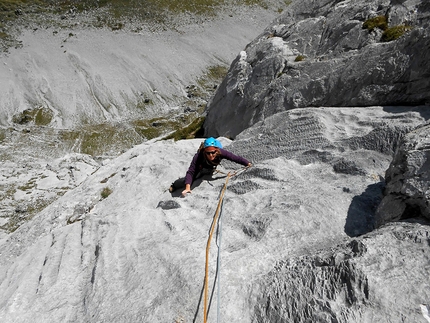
{"x": 214, "y": 223}
{"x": 218, "y": 265}
{"x": 235, "y": 173}
{"x": 208, "y": 245}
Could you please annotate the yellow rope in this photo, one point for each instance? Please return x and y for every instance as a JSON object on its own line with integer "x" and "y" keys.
{"x": 208, "y": 247}
{"x": 206, "y": 286}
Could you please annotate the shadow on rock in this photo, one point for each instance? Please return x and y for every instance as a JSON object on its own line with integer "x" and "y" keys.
{"x": 179, "y": 184}
{"x": 361, "y": 212}
{"x": 422, "y": 110}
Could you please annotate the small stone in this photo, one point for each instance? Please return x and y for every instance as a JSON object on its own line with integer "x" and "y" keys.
{"x": 168, "y": 205}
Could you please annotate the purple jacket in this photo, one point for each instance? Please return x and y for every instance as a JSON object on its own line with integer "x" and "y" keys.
{"x": 199, "y": 162}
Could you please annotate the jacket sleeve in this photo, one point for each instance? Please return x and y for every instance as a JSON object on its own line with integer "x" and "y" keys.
{"x": 234, "y": 158}
{"x": 191, "y": 170}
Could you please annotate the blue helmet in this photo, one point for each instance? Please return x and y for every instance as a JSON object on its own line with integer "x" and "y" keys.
{"x": 212, "y": 142}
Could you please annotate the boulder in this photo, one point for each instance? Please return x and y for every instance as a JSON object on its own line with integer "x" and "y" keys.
{"x": 407, "y": 192}
{"x": 318, "y": 54}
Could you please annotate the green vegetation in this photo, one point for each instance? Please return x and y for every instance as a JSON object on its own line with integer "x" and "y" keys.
{"x": 376, "y": 22}
{"x": 101, "y": 139}
{"x": 38, "y": 116}
{"x": 152, "y": 128}
{"x": 115, "y": 13}
{"x": 394, "y": 33}
{"x": 390, "y": 33}
{"x": 216, "y": 72}
{"x": 43, "y": 117}
{"x": 105, "y": 192}
{"x": 2, "y": 135}
{"x": 299, "y": 58}
{"x": 193, "y": 130}
{"x": 106, "y": 138}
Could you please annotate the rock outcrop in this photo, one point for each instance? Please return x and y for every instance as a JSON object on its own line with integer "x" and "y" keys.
{"x": 318, "y": 54}
{"x": 407, "y": 192}
{"x": 295, "y": 244}
{"x": 347, "y": 283}
{"x": 297, "y": 240}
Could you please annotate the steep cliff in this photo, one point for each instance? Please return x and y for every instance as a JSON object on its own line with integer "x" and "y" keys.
{"x": 407, "y": 194}
{"x": 327, "y": 53}
{"x": 301, "y": 237}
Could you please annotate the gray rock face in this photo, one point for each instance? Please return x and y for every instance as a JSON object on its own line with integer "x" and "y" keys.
{"x": 115, "y": 76}
{"x": 347, "y": 283}
{"x": 296, "y": 245}
{"x": 297, "y": 242}
{"x": 353, "y": 141}
{"x": 407, "y": 193}
{"x": 343, "y": 63}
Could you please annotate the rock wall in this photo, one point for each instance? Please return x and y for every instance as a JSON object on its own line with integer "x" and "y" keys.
{"x": 296, "y": 241}
{"x": 407, "y": 193}
{"x": 295, "y": 244}
{"x": 318, "y": 54}
{"x": 349, "y": 283}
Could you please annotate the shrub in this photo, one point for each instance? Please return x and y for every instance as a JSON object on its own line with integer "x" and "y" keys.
{"x": 376, "y": 22}
{"x": 395, "y": 32}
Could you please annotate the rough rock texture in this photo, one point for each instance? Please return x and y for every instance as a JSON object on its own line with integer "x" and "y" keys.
{"x": 297, "y": 244}
{"x": 344, "y": 64}
{"x": 289, "y": 249}
{"x": 29, "y": 184}
{"x": 347, "y": 283}
{"x": 407, "y": 192}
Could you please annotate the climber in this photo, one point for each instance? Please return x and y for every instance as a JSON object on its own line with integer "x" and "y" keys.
{"x": 204, "y": 162}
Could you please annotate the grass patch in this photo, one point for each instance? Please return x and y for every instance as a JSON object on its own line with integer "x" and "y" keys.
{"x": 389, "y": 33}
{"x": 217, "y": 72}
{"x": 376, "y": 22}
{"x": 299, "y": 58}
{"x": 151, "y": 128}
{"x": 209, "y": 81}
{"x": 118, "y": 11}
{"x": 2, "y": 135}
{"x": 193, "y": 130}
{"x": 394, "y": 33}
{"x": 105, "y": 192}
{"x": 38, "y": 116}
{"x": 100, "y": 139}
{"x": 112, "y": 139}
{"x": 43, "y": 117}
